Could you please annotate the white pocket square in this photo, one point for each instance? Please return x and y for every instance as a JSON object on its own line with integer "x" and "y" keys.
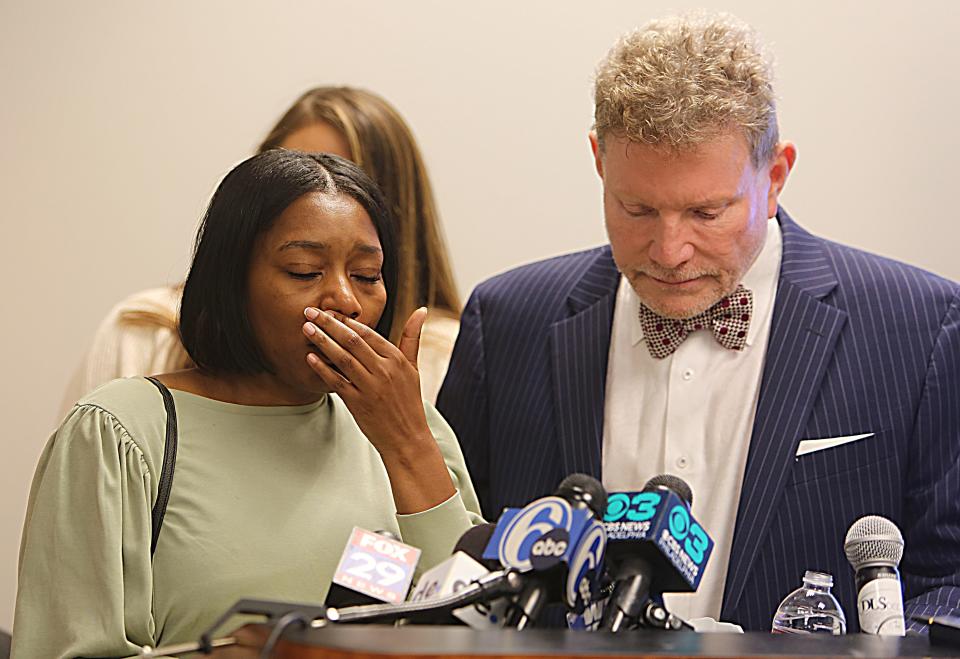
{"x": 813, "y": 445}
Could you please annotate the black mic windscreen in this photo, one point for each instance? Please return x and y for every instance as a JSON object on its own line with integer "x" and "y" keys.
{"x": 474, "y": 541}
{"x": 340, "y": 596}
{"x": 674, "y": 483}
{"x": 585, "y": 489}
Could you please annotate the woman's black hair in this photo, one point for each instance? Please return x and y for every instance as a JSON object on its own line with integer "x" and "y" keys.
{"x": 214, "y": 320}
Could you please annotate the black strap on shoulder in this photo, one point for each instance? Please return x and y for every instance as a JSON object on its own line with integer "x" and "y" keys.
{"x": 169, "y": 463}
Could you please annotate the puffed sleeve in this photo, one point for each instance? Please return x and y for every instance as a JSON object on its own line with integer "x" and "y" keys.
{"x": 85, "y": 578}
{"x": 436, "y": 530}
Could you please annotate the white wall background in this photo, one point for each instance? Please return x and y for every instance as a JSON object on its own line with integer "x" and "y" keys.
{"x": 118, "y": 117}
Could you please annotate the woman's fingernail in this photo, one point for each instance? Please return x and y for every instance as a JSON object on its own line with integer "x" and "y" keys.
{"x": 311, "y": 313}
{"x": 310, "y": 329}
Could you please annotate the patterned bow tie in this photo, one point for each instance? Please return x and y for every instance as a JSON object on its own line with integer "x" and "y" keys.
{"x": 729, "y": 320}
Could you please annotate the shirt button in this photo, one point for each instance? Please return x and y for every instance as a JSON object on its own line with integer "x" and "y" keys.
{"x": 682, "y": 462}
{"x": 688, "y": 374}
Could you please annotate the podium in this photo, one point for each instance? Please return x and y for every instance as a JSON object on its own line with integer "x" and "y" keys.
{"x": 429, "y": 642}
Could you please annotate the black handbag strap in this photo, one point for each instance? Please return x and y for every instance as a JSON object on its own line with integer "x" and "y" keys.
{"x": 169, "y": 463}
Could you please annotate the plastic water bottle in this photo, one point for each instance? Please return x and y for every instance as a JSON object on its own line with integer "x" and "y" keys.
{"x": 811, "y": 609}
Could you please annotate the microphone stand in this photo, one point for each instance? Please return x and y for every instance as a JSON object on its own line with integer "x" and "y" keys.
{"x": 655, "y": 616}
{"x": 488, "y": 587}
{"x": 281, "y": 614}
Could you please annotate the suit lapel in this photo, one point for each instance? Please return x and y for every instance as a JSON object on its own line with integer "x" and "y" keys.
{"x": 803, "y": 334}
{"x": 579, "y": 346}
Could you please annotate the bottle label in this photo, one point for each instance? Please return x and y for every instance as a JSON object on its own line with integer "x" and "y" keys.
{"x": 880, "y": 606}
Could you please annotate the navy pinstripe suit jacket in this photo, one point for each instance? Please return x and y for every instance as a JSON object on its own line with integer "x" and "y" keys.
{"x": 858, "y": 344}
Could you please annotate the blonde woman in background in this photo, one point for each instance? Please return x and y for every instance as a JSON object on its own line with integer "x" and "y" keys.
{"x": 140, "y": 336}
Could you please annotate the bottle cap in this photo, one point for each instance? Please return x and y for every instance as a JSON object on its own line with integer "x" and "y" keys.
{"x": 821, "y": 579}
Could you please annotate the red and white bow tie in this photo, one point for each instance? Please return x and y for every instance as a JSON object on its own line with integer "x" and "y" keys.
{"x": 729, "y": 320}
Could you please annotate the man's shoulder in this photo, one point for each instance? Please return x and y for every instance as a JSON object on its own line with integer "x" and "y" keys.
{"x": 551, "y": 278}
{"x": 861, "y": 273}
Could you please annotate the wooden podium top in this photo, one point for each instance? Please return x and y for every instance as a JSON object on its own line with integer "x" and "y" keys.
{"x": 423, "y": 642}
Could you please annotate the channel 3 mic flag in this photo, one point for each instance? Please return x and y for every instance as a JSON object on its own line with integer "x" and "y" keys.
{"x": 662, "y": 518}
{"x": 546, "y": 533}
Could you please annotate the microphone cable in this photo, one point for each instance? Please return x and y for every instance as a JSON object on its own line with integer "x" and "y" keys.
{"x": 285, "y": 622}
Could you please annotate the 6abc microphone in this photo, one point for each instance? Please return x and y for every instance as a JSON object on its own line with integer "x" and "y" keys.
{"x": 557, "y": 544}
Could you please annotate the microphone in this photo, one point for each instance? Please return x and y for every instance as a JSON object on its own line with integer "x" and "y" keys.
{"x": 374, "y": 568}
{"x": 655, "y": 546}
{"x": 474, "y": 541}
{"x": 558, "y": 543}
{"x": 464, "y": 567}
{"x": 874, "y": 547}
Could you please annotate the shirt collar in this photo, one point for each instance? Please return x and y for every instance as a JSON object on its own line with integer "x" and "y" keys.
{"x": 761, "y": 278}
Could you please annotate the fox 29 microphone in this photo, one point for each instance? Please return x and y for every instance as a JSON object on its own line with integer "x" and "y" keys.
{"x": 654, "y": 546}
{"x": 874, "y": 547}
{"x": 557, "y": 543}
{"x": 374, "y": 567}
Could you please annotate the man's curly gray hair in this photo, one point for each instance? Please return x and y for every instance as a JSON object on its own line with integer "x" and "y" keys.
{"x": 680, "y": 81}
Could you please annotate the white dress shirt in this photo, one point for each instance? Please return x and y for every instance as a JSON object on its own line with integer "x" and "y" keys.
{"x": 690, "y": 414}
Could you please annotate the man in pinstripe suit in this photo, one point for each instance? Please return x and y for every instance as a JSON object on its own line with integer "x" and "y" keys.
{"x": 796, "y": 384}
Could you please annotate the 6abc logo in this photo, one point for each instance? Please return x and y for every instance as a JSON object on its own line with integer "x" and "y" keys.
{"x": 546, "y": 524}
{"x": 585, "y": 567}
{"x": 550, "y": 531}
{"x": 549, "y": 549}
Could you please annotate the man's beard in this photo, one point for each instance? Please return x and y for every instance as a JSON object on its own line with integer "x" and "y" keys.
{"x": 722, "y": 285}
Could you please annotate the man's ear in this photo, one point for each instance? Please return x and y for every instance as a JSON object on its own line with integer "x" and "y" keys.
{"x": 597, "y": 154}
{"x": 783, "y": 159}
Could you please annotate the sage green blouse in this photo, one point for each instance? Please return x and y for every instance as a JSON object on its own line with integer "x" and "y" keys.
{"x": 262, "y": 504}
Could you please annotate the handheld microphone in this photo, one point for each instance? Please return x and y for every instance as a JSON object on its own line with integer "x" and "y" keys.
{"x": 874, "y": 547}
{"x": 655, "y": 546}
{"x": 558, "y": 543}
{"x": 374, "y": 568}
{"x": 463, "y": 568}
